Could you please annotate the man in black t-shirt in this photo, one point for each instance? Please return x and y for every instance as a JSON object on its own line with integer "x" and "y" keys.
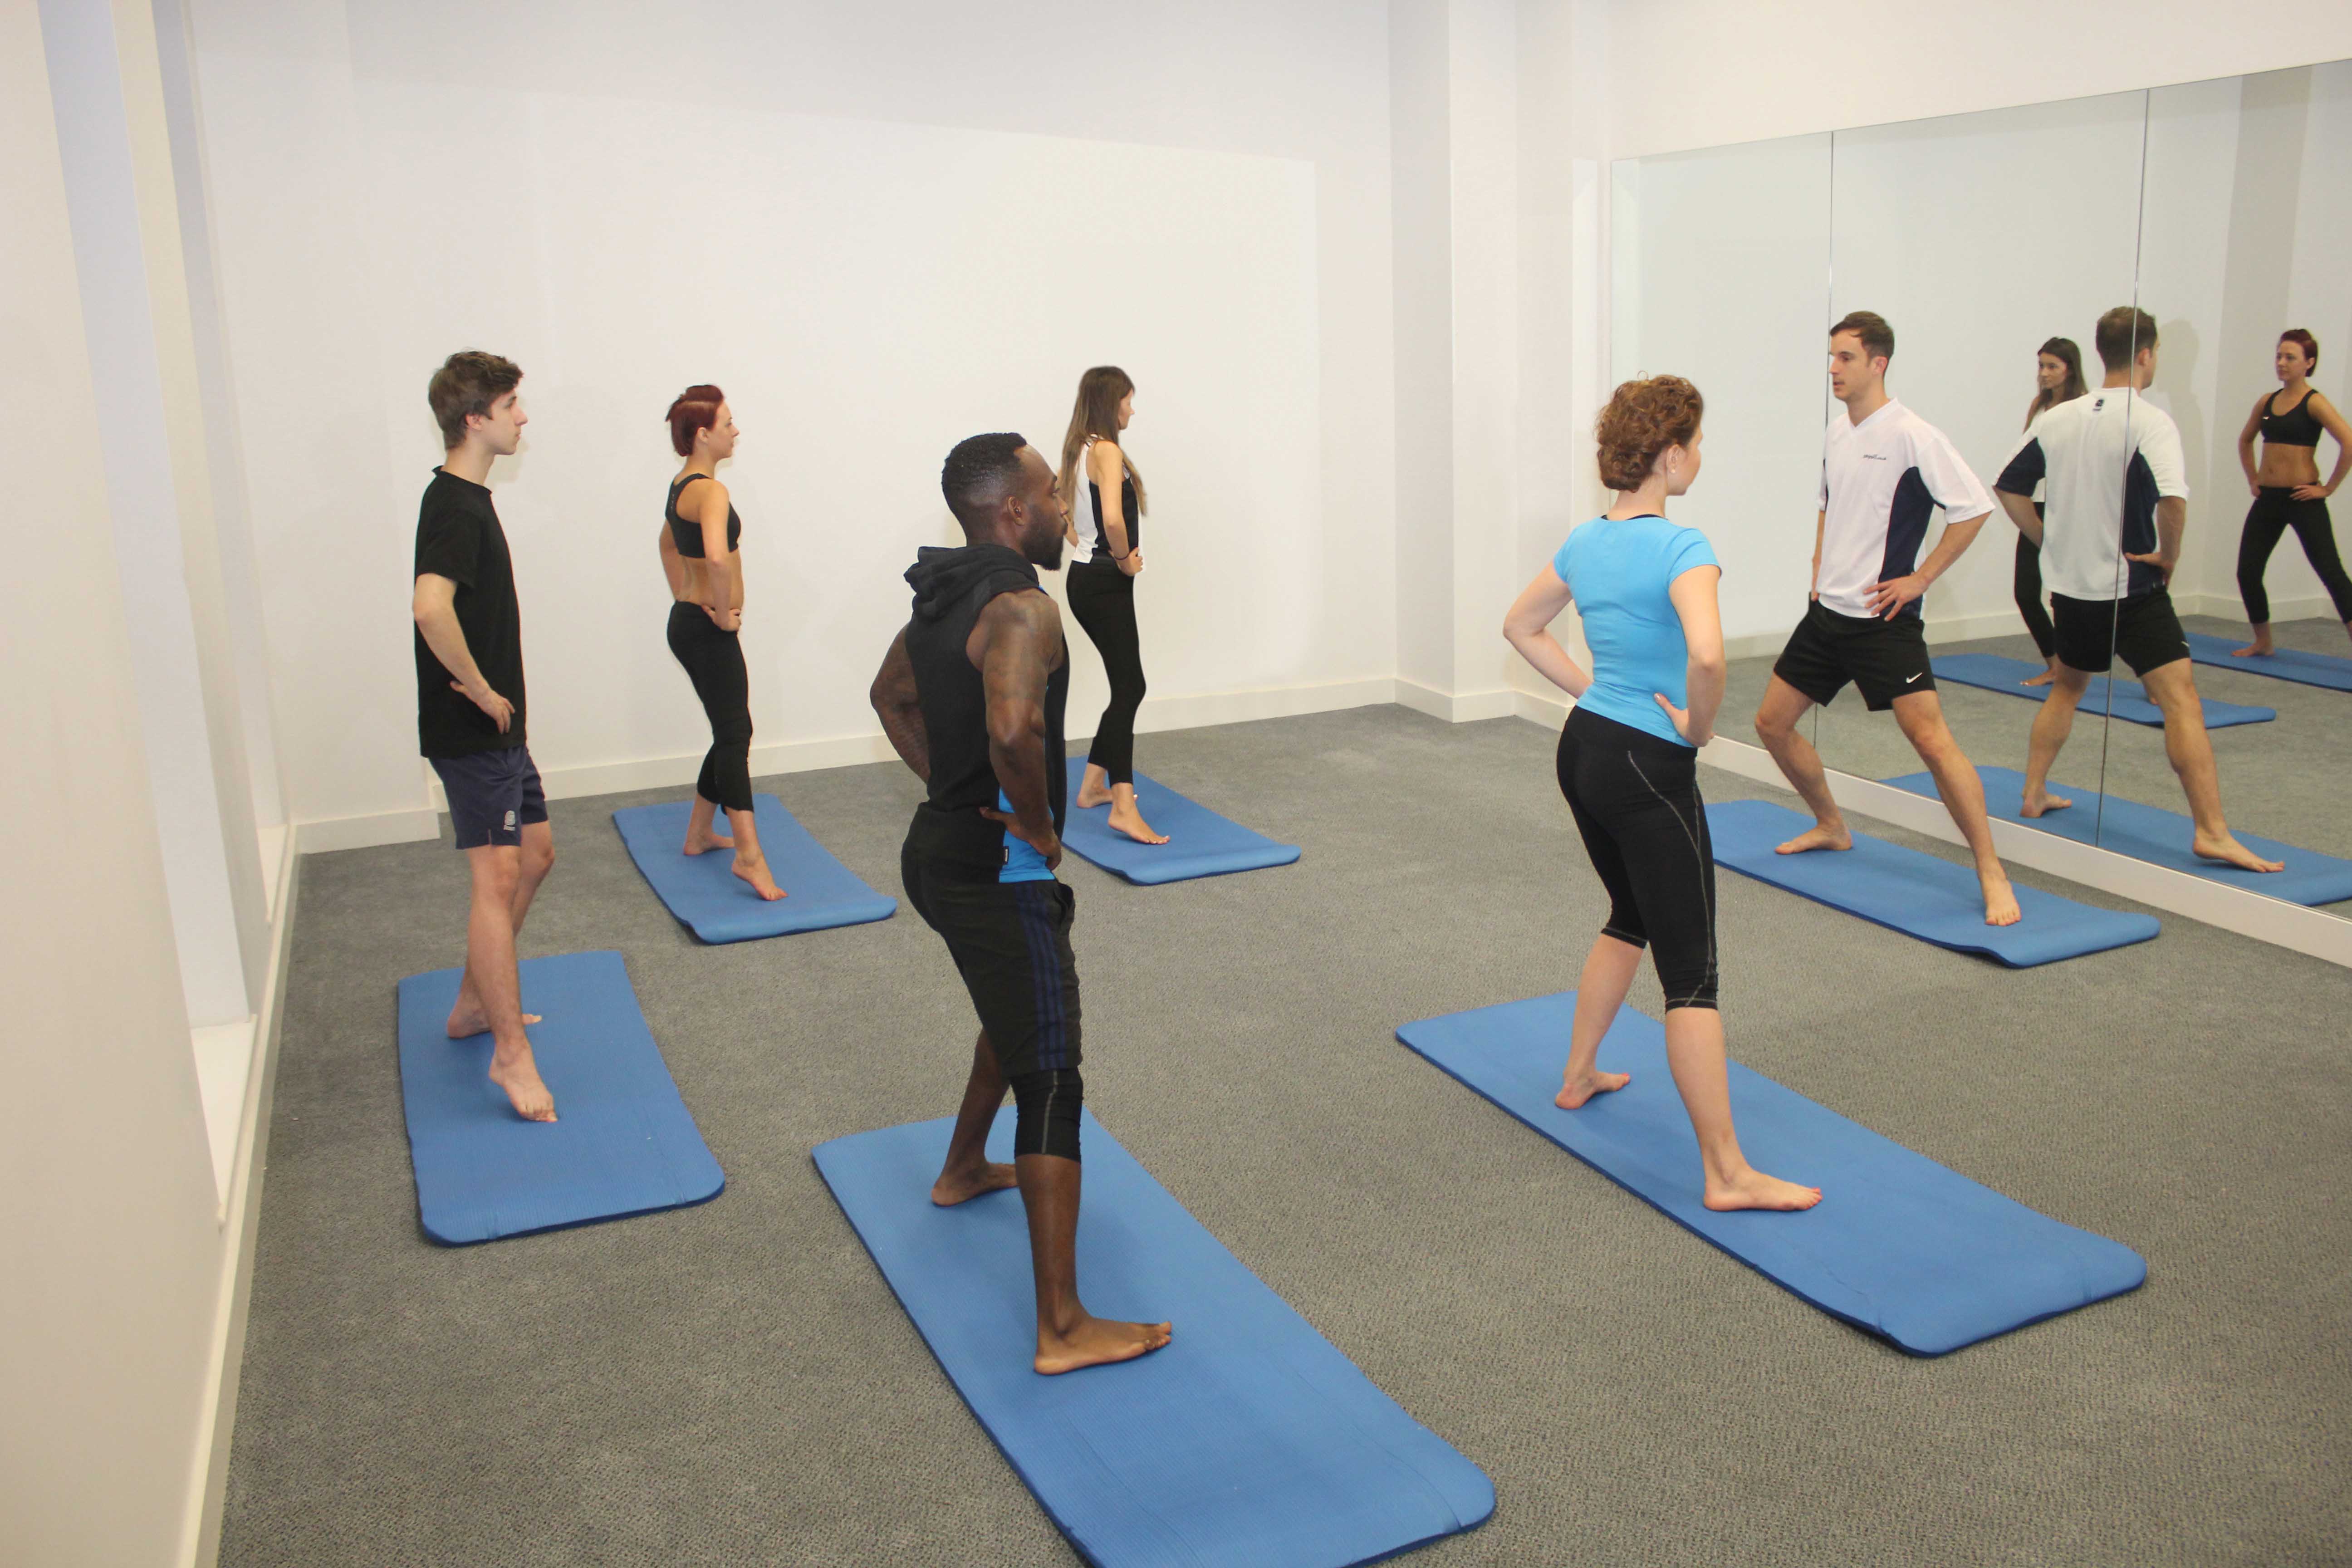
{"x": 469, "y": 708}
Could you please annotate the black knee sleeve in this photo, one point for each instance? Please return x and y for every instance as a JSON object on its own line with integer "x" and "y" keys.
{"x": 1045, "y": 1112}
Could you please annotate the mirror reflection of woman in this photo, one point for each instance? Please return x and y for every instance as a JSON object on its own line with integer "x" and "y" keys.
{"x": 2287, "y": 492}
{"x": 1629, "y": 763}
{"x": 1107, "y": 555}
{"x": 699, "y": 536}
{"x": 2057, "y": 378}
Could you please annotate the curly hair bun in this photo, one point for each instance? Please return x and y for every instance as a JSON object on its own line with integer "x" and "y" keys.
{"x": 1643, "y": 419}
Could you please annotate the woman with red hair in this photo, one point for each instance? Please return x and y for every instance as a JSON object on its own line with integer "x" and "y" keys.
{"x": 699, "y": 536}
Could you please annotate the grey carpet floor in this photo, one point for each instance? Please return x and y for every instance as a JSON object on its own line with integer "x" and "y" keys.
{"x": 733, "y": 1383}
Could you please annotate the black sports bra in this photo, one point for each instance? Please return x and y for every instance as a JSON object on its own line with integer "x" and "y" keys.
{"x": 688, "y": 536}
{"x": 2298, "y": 426}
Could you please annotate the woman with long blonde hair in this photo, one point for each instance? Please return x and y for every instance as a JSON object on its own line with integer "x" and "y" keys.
{"x": 1105, "y": 556}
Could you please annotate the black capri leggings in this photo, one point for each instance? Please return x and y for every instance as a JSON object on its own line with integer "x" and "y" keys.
{"x": 714, "y": 662}
{"x": 2274, "y": 512}
{"x": 1103, "y": 598}
{"x": 2025, "y": 583}
{"x": 1636, "y": 801}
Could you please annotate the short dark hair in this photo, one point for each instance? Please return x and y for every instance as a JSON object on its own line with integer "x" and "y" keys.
{"x": 467, "y": 382}
{"x": 980, "y": 472}
{"x": 2122, "y": 333}
{"x": 2304, "y": 340}
{"x": 1877, "y": 337}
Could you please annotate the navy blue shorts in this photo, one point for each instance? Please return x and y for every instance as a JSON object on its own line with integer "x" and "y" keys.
{"x": 491, "y": 795}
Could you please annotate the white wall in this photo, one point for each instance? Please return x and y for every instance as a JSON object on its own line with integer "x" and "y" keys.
{"x": 113, "y": 1253}
{"x": 915, "y": 254}
{"x": 1701, "y": 73}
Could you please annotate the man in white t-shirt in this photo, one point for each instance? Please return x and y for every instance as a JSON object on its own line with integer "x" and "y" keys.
{"x": 2115, "y": 504}
{"x": 1884, "y": 471}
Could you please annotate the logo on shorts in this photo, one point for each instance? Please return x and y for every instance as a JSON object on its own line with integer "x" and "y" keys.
{"x": 1909, "y": 678}
{"x": 510, "y": 821}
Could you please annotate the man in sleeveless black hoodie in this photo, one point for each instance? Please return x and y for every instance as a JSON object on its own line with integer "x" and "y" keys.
{"x": 971, "y": 694}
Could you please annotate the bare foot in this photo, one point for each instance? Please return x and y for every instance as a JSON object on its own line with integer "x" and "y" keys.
{"x": 519, "y": 1076}
{"x": 963, "y": 1186}
{"x": 1131, "y": 823}
{"x": 467, "y": 1019}
{"x": 756, "y": 873}
{"x": 1094, "y": 788}
{"x": 2038, "y": 801}
{"x": 1818, "y": 838}
{"x": 702, "y": 843}
{"x": 1097, "y": 1340}
{"x": 1755, "y": 1190}
{"x": 2227, "y": 848}
{"x": 2258, "y": 648}
{"x": 2000, "y": 900}
{"x": 1575, "y": 1092}
{"x": 2045, "y": 679}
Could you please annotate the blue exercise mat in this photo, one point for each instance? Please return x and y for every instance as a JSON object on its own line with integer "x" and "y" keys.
{"x": 704, "y": 892}
{"x": 1898, "y": 1245}
{"x": 1200, "y": 842}
{"x": 1249, "y": 1439}
{"x": 1994, "y": 673}
{"x": 2288, "y": 664}
{"x": 622, "y": 1142}
{"x": 1915, "y": 893}
{"x": 2159, "y": 837}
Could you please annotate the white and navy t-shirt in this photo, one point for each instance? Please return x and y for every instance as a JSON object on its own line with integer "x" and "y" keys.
{"x": 1881, "y": 480}
{"x": 2104, "y": 460}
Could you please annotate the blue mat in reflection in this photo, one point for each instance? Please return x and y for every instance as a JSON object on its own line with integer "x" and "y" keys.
{"x": 1994, "y": 673}
{"x": 1914, "y": 893}
{"x": 1249, "y": 1439}
{"x": 1898, "y": 1245}
{"x": 2288, "y": 664}
{"x": 704, "y": 892}
{"x": 1200, "y": 842}
{"x": 622, "y": 1142}
{"x": 2159, "y": 837}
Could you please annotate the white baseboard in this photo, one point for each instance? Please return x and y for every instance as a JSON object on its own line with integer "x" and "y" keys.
{"x": 1158, "y": 715}
{"x": 240, "y": 1216}
{"x": 1455, "y": 707}
{"x": 2305, "y": 930}
{"x": 2230, "y": 607}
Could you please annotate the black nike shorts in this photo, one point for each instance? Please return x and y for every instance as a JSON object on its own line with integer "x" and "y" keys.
{"x": 2143, "y": 631}
{"x": 1885, "y": 659}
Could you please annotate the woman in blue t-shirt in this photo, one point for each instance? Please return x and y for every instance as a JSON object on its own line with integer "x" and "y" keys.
{"x": 1629, "y": 763}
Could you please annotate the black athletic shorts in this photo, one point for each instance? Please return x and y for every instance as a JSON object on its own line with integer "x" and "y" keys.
{"x": 2143, "y": 630}
{"x": 1885, "y": 659}
{"x": 491, "y": 795}
{"x": 1010, "y": 942}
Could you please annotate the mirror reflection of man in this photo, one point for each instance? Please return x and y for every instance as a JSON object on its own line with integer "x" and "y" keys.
{"x": 2115, "y": 505}
{"x": 1884, "y": 471}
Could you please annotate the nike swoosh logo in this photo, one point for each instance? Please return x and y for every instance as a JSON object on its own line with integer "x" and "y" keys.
{"x": 1909, "y": 678}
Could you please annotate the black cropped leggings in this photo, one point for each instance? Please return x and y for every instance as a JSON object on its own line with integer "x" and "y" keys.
{"x": 1103, "y": 598}
{"x": 2025, "y": 583}
{"x": 714, "y": 662}
{"x": 1636, "y": 802}
{"x": 2274, "y": 512}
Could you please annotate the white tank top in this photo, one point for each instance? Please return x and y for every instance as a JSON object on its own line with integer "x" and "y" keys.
{"x": 1082, "y": 507}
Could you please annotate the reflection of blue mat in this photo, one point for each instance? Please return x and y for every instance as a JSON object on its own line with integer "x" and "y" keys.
{"x": 622, "y": 1142}
{"x": 1994, "y": 673}
{"x": 1915, "y": 893}
{"x": 2288, "y": 664}
{"x": 2157, "y": 837}
{"x": 704, "y": 892}
{"x": 1898, "y": 1245}
{"x": 1250, "y": 1439}
{"x": 1200, "y": 842}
